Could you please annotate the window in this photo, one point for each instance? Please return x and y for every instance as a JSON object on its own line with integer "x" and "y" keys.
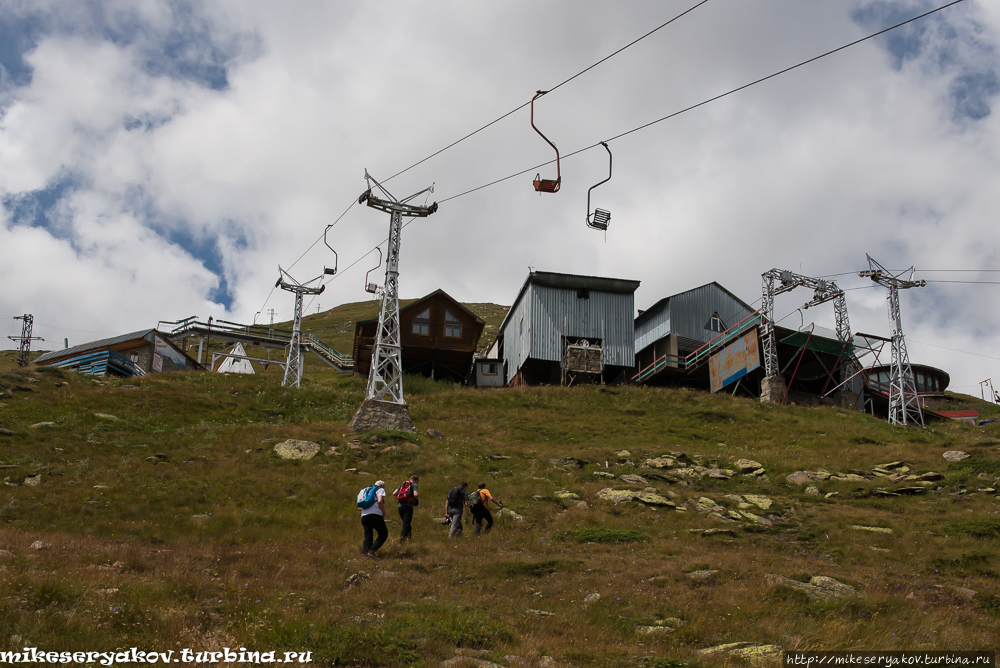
{"x": 422, "y": 323}
{"x": 490, "y": 369}
{"x": 583, "y": 293}
{"x": 452, "y": 326}
{"x": 715, "y": 324}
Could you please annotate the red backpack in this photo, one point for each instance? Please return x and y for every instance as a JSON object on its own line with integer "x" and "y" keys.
{"x": 405, "y": 493}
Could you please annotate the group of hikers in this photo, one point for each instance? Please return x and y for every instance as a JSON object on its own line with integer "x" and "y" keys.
{"x": 371, "y": 503}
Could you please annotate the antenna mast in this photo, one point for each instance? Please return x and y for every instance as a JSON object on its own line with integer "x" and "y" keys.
{"x": 295, "y": 361}
{"x": 25, "y": 339}
{"x": 904, "y": 404}
{"x": 384, "y": 407}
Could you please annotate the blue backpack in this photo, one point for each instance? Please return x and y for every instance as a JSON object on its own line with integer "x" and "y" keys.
{"x": 367, "y": 497}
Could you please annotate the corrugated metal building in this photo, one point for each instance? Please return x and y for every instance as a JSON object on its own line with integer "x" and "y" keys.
{"x": 682, "y": 323}
{"x": 142, "y": 352}
{"x": 551, "y": 308}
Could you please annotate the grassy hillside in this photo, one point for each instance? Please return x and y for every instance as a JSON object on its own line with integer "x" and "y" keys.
{"x": 177, "y": 526}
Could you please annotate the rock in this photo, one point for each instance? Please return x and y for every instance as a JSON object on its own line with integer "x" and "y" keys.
{"x": 571, "y": 462}
{"x": 798, "y": 478}
{"x": 581, "y": 506}
{"x": 632, "y": 479}
{"x": 33, "y": 480}
{"x": 295, "y": 449}
{"x": 950, "y": 456}
{"x": 200, "y": 518}
{"x": 748, "y": 465}
{"x": 41, "y": 424}
{"x": 6, "y": 553}
{"x": 333, "y": 452}
{"x": 434, "y": 433}
{"x": 819, "y": 588}
{"x": 540, "y": 613}
{"x": 754, "y": 654}
{"x": 6, "y": 432}
{"x": 812, "y": 490}
{"x": 660, "y": 463}
{"x": 830, "y": 495}
{"x": 497, "y": 458}
{"x": 707, "y": 505}
{"x": 654, "y": 499}
{"x": 623, "y": 453}
{"x": 713, "y": 532}
{"x": 653, "y": 630}
{"x": 545, "y": 661}
{"x": 758, "y": 500}
{"x": 615, "y": 495}
{"x": 39, "y": 545}
{"x": 355, "y": 580}
{"x": 592, "y": 598}
{"x": 757, "y": 519}
{"x": 873, "y": 529}
{"x": 508, "y": 513}
{"x": 465, "y": 651}
{"x": 374, "y": 414}
{"x": 702, "y": 576}
{"x": 391, "y": 448}
{"x": 604, "y": 474}
{"x": 107, "y": 416}
{"x": 566, "y": 494}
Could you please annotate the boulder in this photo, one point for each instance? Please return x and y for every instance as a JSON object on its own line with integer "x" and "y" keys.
{"x": 604, "y": 474}
{"x": 504, "y": 513}
{"x": 712, "y": 532}
{"x": 107, "y": 416}
{"x": 706, "y": 575}
{"x": 653, "y": 630}
{"x": 950, "y": 456}
{"x": 748, "y": 465}
{"x": 660, "y": 463}
{"x": 39, "y": 545}
{"x": 615, "y": 495}
{"x": 33, "y": 480}
{"x": 707, "y": 505}
{"x": 592, "y": 598}
{"x": 632, "y": 479}
{"x": 752, "y": 653}
{"x": 756, "y": 519}
{"x": 812, "y": 490}
{"x": 758, "y": 500}
{"x": 296, "y": 449}
{"x": 570, "y": 462}
{"x": 654, "y": 499}
{"x": 798, "y": 478}
{"x": 6, "y": 432}
{"x": 41, "y": 424}
{"x": 819, "y": 587}
{"x": 566, "y": 494}
{"x": 540, "y": 613}
{"x": 623, "y": 453}
{"x": 860, "y": 527}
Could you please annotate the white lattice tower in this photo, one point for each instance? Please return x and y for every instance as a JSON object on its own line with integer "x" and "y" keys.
{"x": 904, "y": 402}
{"x": 294, "y": 362}
{"x": 385, "y": 378}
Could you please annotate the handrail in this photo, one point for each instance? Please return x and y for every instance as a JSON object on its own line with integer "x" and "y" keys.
{"x": 706, "y": 349}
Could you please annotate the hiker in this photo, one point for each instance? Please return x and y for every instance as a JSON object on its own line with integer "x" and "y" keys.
{"x": 408, "y": 498}
{"x": 371, "y": 503}
{"x": 457, "y": 504}
{"x": 479, "y": 502}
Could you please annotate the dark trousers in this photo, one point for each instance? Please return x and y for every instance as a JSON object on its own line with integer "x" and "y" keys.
{"x": 376, "y": 523}
{"x": 405, "y": 514}
{"x": 480, "y": 513}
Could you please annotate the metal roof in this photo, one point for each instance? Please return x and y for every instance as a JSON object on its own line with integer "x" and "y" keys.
{"x": 93, "y": 345}
{"x": 659, "y": 305}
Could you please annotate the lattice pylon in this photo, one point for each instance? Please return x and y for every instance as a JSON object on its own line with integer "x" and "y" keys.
{"x": 293, "y": 363}
{"x": 385, "y": 379}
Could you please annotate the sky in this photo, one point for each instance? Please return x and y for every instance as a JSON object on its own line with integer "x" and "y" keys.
{"x": 161, "y": 159}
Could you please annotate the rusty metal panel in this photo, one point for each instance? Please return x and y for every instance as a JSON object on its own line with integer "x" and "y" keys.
{"x": 734, "y": 361}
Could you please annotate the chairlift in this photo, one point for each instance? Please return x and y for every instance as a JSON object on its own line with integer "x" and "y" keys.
{"x": 600, "y": 218}
{"x": 373, "y": 287}
{"x": 326, "y": 270}
{"x": 545, "y": 185}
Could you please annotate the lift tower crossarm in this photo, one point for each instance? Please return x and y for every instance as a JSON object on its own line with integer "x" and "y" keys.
{"x": 904, "y": 403}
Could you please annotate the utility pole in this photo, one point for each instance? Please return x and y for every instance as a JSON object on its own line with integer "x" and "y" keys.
{"x": 294, "y": 362}
{"x": 384, "y": 407}
{"x": 904, "y": 403}
{"x": 25, "y": 339}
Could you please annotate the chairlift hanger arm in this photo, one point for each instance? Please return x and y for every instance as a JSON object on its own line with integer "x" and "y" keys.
{"x": 600, "y": 218}
{"x": 545, "y": 185}
{"x": 330, "y": 272}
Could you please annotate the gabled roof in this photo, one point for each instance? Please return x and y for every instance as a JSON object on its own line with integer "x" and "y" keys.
{"x": 663, "y": 303}
{"x": 94, "y": 345}
{"x": 415, "y": 303}
{"x": 571, "y": 282}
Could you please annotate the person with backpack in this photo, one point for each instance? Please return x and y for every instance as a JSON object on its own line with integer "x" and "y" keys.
{"x": 455, "y": 507}
{"x": 371, "y": 503}
{"x": 407, "y": 498}
{"x": 479, "y": 505}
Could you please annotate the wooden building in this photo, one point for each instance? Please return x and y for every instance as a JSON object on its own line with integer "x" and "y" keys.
{"x": 437, "y": 334}
{"x": 133, "y": 354}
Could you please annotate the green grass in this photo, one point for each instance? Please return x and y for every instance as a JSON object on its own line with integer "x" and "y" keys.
{"x": 177, "y": 526}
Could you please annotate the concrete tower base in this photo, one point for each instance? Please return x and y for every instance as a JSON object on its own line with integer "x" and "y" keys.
{"x": 381, "y": 415}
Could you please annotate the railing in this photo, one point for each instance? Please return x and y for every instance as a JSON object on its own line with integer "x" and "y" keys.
{"x": 696, "y": 358}
{"x": 265, "y": 334}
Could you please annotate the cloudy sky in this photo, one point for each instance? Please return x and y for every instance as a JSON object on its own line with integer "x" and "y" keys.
{"x": 161, "y": 159}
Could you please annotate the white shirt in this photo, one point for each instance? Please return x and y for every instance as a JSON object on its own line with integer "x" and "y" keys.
{"x": 374, "y": 509}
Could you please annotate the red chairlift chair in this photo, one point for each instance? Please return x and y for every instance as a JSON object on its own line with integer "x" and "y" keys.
{"x": 545, "y": 185}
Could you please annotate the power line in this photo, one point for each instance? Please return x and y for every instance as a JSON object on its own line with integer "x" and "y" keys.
{"x": 713, "y": 99}
{"x": 954, "y": 350}
{"x": 559, "y": 85}
{"x": 967, "y": 282}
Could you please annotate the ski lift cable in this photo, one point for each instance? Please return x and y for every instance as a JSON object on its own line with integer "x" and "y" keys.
{"x": 714, "y": 98}
{"x": 559, "y": 85}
